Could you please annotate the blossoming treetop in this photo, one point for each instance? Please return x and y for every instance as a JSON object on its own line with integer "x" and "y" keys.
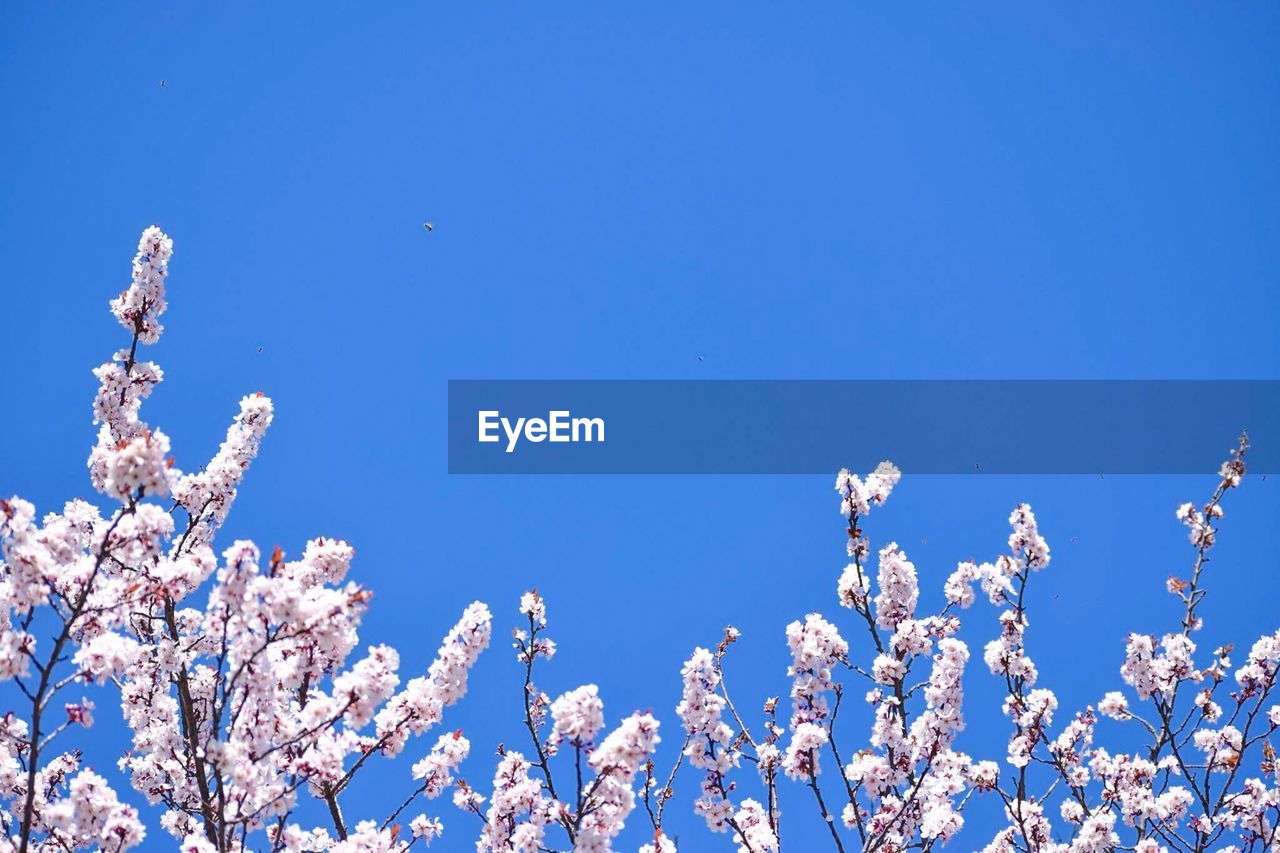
{"x": 252, "y": 711}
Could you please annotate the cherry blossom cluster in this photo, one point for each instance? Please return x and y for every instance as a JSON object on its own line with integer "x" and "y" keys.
{"x": 526, "y": 812}
{"x": 253, "y": 706}
{"x": 710, "y": 745}
{"x": 71, "y": 576}
{"x": 241, "y": 706}
{"x": 1187, "y": 790}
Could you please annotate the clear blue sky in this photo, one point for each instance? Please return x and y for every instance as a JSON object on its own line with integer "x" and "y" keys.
{"x": 811, "y": 192}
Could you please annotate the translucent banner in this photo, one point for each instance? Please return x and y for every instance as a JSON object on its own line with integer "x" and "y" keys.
{"x": 815, "y": 427}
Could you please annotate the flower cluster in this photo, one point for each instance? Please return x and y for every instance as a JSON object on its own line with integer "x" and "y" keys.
{"x": 525, "y": 809}
{"x": 253, "y": 706}
{"x": 238, "y": 707}
{"x": 709, "y": 743}
{"x": 908, "y": 787}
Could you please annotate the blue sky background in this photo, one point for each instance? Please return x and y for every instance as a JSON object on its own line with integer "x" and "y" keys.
{"x": 815, "y": 192}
